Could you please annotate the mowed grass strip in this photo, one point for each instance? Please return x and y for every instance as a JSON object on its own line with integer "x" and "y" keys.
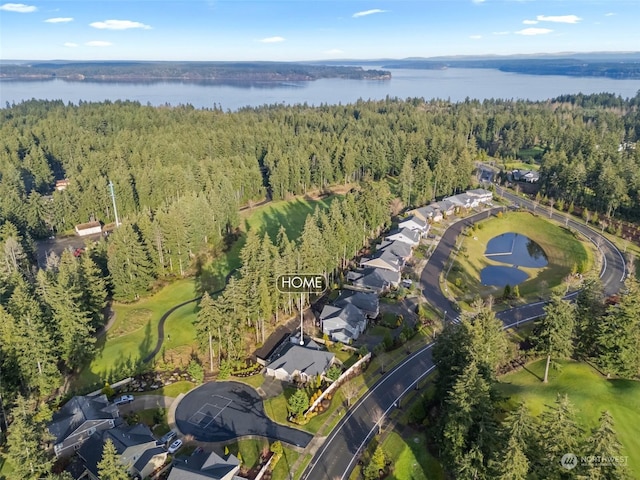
{"x": 565, "y": 251}
{"x": 590, "y": 393}
{"x": 410, "y": 458}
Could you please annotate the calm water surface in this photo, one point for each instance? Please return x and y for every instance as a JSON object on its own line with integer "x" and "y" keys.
{"x": 454, "y": 84}
{"x": 515, "y": 250}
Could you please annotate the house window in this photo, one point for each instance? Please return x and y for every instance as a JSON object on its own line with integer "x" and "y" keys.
{"x": 111, "y": 423}
{"x": 77, "y": 446}
{"x": 91, "y": 431}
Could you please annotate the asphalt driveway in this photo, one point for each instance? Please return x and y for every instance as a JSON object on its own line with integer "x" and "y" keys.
{"x": 223, "y": 411}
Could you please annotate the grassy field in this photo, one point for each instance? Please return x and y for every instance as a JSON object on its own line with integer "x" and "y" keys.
{"x": 135, "y": 331}
{"x": 590, "y": 392}
{"x": 411, "y": 458}
{"x": 564, "y": 249}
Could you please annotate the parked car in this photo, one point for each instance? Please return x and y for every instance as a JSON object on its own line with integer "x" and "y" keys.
{"x": 124, "y": 399}
{"x": 175, "y": 446}
{"x": 407, "y": 282}
{"x": 168, "y": 437}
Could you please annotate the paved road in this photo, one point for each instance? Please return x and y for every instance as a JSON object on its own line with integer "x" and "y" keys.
{"x": 337, "y": 457}
{"x": 223, "y": 411}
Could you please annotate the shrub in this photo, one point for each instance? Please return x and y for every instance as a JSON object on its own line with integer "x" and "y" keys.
{"x": 196, "y": 371}
{"x": 225, "y": 370}
{"x": 333, "y": 373}
{"x": 108, "y": 391}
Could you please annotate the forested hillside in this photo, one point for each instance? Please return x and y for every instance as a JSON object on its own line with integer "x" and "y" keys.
{"x": 181, "y": 175}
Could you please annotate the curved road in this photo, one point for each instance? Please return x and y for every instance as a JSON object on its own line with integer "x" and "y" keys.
{"x": 337, "y": 456}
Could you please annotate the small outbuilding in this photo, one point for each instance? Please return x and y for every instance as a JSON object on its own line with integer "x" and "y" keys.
{"x": 90, "y": 228}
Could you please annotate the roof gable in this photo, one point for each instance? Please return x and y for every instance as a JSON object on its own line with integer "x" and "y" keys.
{"x": 77, "y": 411}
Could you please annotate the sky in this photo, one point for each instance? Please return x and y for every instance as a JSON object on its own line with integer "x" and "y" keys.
{"x": 306, "y": 30}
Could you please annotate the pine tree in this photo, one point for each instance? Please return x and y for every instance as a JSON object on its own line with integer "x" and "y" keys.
{"x": 129, "y": 265}
{"x": 208, "y": 325}
{"x": 110, "y": 468}
{"x": 298, "y": 402}
{"x": 553, "y": 333}
{"x": 376, "y": 464}
{"x": 26, "y": 438}
{"x": 603, "y": 443}
{"x": 619, "y": 337}
{"x": 558, "y": 435}
{"x": 589, "y": 313}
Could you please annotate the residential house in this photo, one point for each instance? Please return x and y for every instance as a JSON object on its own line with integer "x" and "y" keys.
{"x": 530, "y": 176}
{"x": 375, "y": 280}
{"x": 446, "y": 207}
{"x": 138, "y": 450}
{"x": 343, "y": 324}
{"x": 384, "y": 259}
{"x": 294, "y": 362}
{"x": 404, "y": 235}
{"x": 416, "y": 224}
{"x": 78, "y": 419}
{"x": 206, "y": 466}
{"x": 399, "y": 249}
{"x": 367, "y": 302}
{"x": 62, "y": 184}
{"x": 483, "y": 196}
{"x": 90, "y": 228}
{"x": 428, "y": 213}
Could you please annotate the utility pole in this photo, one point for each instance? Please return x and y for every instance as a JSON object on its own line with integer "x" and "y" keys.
{"x": 113, "y": 198}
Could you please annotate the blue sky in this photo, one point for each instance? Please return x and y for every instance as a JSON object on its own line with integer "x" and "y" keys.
{"x": 311, "y": 29}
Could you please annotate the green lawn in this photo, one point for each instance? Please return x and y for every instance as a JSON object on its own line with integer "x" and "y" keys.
{"x": 564, "y": 249}
{"x": 590, "y": 392}
{"x": 172, "y": 390}
{"x": 283, "y": 467}
{"x": 411, "y": 459}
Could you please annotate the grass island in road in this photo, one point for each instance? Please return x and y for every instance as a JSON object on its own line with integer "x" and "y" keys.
{"x": 566, "y": 251}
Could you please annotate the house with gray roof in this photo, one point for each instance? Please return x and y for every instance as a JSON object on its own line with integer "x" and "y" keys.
{"x": 447, "y": 207}
{"x": 399, "y": 249}
{"x": 294, "y": 362}
{"x": 428, "y": 213}
{"x": 383, "y": 259}
{"x": 483, "y": 195}
{"x": 377, "y": 280}
{"x": 78, "y": 419}
{"x": 416, "y": 224}
{"x": 206, "y": 466}
{"x": 404, "y": 235}
{"x": 367, "y": 302}
{"x": 137, "y": 448}
{"x": 342, "y": 324}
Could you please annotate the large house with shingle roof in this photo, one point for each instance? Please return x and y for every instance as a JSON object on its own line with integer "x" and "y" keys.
{"x": 136, "y": 446}
{"x": 367, "y": 302}
{"x": 78, "y": 419}
{"x": 295, "y": 362}
{"x": 206, "y": 466}
{"x": 342, "y": 324}
{"x": 404, "y": 235}
{"x": 377, "y": 280}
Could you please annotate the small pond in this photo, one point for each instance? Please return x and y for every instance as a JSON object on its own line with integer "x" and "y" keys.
{"x": 500, "y": 276}
{"x": 515, "y": 250}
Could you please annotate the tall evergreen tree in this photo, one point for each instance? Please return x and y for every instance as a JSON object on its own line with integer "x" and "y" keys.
{"x": 26, "y": 440}
{"x": 110, "y": 467}
{"x": 603, "y": 444}
{"x": 619, "y": 337}
{"x": 129, "y": 264}
{"x": 553, "y": 333}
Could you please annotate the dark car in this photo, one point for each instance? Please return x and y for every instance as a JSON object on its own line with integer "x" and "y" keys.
{"x": 168, "y": 437}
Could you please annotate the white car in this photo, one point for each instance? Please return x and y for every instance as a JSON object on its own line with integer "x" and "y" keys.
{"x": 124, "y": 399}
{"x": 175, "y": 446}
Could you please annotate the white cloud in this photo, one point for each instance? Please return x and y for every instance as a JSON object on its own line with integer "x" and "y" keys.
{"x": 529, "y": 22}
{"x": 70, "y": 44}
{"x": 59, "y": 20}
{"x": 98, "y": 43}
{"x": 364, "y": 13}
{"x": 534, "y": 31}
{"x": 610, "y": 14}
{"x": 478, "y": 2}
{"x": 118, "y": 25}
{"x": 18, "y": 7}
{"x": 501, "y": 33}
{"x": 333, "y": 51}
{"x": 475, "y": 37}
{"x": 272, "y": 40}
{"x": 558, "y": 18}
